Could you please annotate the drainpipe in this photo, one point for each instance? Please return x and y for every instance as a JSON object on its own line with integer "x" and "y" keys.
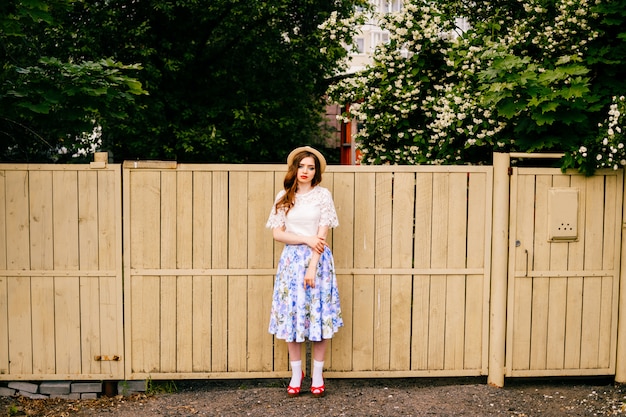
{"x": 499, "y": 269}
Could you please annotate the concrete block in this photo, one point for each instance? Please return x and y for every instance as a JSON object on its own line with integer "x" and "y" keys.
{"x": 87, "y": 387}
{"x": 55, "y": 387}
{"x": 129, "y": 387}
{"x": 74, "y": 396}
{"x": 6, "y": 392}
{"x": 32, "y": 395}
{"x": 88, "y": 396}
{"x": 62, "y": 396}
{"x": 24, "y": 386}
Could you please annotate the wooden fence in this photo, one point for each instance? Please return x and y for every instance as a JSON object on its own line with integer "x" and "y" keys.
{"x": 412, "y": 259}
{"x": 187, "y": 294}
{"x": 60, "y": 272}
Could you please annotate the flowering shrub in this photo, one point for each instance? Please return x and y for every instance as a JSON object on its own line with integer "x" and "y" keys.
{"x": 84, "y": 145}
{"x": 608, "y": 150}
{"x": 337, "y": 34}
{"x": 518, "y": 79}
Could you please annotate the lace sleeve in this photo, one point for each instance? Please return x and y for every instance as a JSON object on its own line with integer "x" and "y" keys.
{"x": 328, "y": 214}
{"x": 276, "y": 218}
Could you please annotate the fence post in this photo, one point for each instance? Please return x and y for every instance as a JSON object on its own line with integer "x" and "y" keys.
{"x": 620, "y": 366}
{"x": 499, "y": 268}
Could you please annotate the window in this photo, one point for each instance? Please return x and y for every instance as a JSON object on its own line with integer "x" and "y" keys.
{"x": 360, "y": 45}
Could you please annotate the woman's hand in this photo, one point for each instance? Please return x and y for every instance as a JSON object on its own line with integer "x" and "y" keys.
{"x": 309, "y": 278}
{"x": 317, "y": 243}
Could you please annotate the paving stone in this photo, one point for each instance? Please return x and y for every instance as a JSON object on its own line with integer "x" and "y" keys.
{"x": 74, "y": 396}
{"x": 88, "y": 396}
{"x": 87, "y": 387}
{"x": 62, "y": 396}
{"x": 24, "y": 386}
{"x": 7, "y": 392}
{"x": 32, "y": 395}
{"x": 55, "y": 387}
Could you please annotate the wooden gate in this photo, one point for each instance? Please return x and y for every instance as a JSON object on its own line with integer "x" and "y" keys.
{"x": 60, "y": 272}
{"x": 563, "y": 272}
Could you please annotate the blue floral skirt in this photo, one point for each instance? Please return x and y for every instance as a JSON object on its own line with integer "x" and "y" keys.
{"x": 299, "y": 314}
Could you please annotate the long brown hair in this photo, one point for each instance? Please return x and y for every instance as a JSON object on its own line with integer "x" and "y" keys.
{"x": 291, "y": 180}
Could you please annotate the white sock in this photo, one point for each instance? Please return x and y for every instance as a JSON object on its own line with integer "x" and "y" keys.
{"x": 317, "y": 378}
{"x": 296, "y": 374}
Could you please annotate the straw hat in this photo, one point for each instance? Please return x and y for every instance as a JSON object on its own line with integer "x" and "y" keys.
{"x": 315, "y": 152}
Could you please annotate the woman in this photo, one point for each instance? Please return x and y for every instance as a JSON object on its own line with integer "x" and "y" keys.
{"x": 305, "y": 303}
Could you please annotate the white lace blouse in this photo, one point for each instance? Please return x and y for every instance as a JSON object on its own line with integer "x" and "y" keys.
{"x": 311, "y": 210}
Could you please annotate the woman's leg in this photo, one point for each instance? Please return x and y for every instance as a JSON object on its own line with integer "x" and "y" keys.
{"x": 295, "y": 351}
{"x": 319, "y": 351}
{"x": 295, "y": 359}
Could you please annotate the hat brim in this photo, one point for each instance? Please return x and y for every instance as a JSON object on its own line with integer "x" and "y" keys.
{"x": 314, "y": 151}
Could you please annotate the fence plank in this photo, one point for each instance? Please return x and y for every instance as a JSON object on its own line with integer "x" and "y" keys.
{"x": 4, "y": 319}
{"x": 421, "y": 283}
{"x": 167, "y": 323}
{"x": 4, "y": 295}
{"x": 344, "y": 247}
{"x": 382, "y": 283}
{"x": 67, "y": 325}
{"x": 145, "y": 293}
{"x": 573, "y": 323}
{"x": 260, "y": 199}
{"x": 220, "y": 220}
{"x": 439, "y": 259}
{"x": 342, "y": 345}
{"x": 455, "y": 286}
{"x": 41, "y": 224}
{"x": 111, "y": 331}
{"x": 184, "y": 322}
{"x": 17, "y": 229}
{"x": 347, "y": 202}
{"x": 219, "y": 329}
{"x": 364, "y": 320}
{"x": 610, "y": 287}
{"x": 260, "y": 343}
{"x": 523, "y": 287}
{"x": 202, "y": 337}
{"x": 184, "y": 259}
{"x": 89, "y": 325}
{"x": 540, "y": 286}
{"x": 87, "y": 187}
{"x": 202, "y": 219}
{"x": 592, "y": 286}
{"x": 43, "y": 331}
{"x": 109, "y": 221}
{"x": 20, "y": 321}
{"x": 237, "y": 323}
{"x": 352, "y": 349}
{"x": 476, "y": 313}
{"x": 555, "y": 355}
{"x": 65, "y": 220}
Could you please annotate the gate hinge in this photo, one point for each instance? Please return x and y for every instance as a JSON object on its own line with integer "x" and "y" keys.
{"x": 510, "y": 171}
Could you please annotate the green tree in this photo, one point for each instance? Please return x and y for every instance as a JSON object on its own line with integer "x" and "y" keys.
{"x": 229, "y": 81}
{"x": 51, "y": 104}
{"x": 536, "y": 75}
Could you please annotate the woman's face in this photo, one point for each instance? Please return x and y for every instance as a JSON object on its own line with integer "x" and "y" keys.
{"x": 306, "y": 170}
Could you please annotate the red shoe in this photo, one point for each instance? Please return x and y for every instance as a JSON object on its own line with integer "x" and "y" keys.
{"x": 318, "y": 391}
{"x": 294, "y": 391}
